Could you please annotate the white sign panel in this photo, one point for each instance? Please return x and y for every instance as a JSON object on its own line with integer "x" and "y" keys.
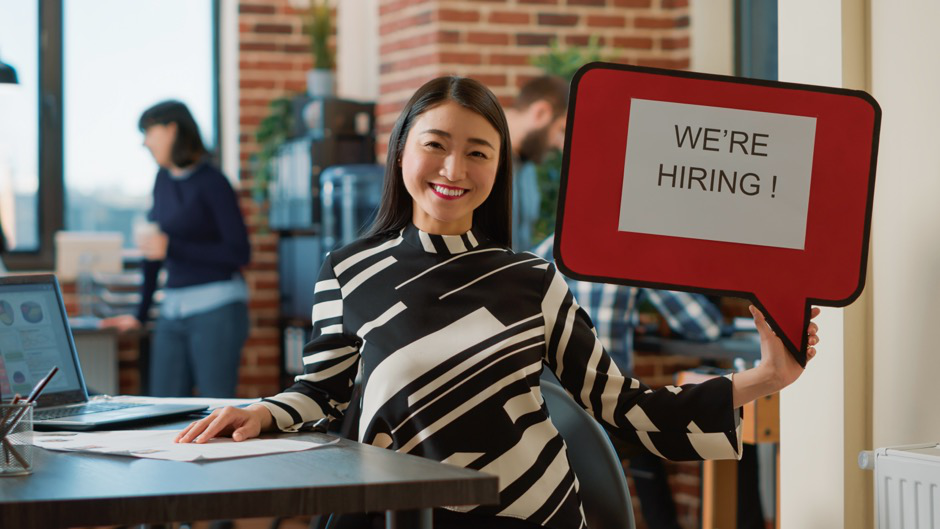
{"x": 717, "y": 174}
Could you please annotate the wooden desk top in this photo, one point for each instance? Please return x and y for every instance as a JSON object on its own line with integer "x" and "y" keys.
{"x": 70, "y": 489}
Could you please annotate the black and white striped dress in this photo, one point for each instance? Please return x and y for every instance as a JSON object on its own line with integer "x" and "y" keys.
{"x": 451, "y": 334}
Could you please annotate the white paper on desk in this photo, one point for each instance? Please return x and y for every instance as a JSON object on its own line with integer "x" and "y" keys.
{"x": 158, "y": 444}
{"x": 212, "y": 403}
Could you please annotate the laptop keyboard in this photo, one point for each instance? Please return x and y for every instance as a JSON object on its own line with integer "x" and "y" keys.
{"x": 92, "y": 407}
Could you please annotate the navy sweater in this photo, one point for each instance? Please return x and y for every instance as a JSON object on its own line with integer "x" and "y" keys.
{"x": 208, "y": 239}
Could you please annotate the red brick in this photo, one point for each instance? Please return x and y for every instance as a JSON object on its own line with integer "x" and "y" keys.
{"x": 554, "y": 19}
{"x": 490, "y": 80}
{"x": 601, "y": 21}
{"x": 674, "y": 43}
{"x": 583, "y": 40}
{"x": 257, "y": 8}
{"x": 457, "y": 15}
{"x": 257, "y": 83}
{"x": 534, "y": 39}
{"x": 257, "y": 46}
{"x": 633, "y": 3}
{"x": 538, "y": 1}
{"x": 460, "y": 58}
{"x": 673, "y": 4}
{"x": 501, "y": 39}
{"x": 661, "y": 22}
{"x": 273, "y": 28}
{"x": 509, "y": 59}
{"x": 592, "y": 3}
{"x": 507, "y": 17}
{"x": 639, "y": 43}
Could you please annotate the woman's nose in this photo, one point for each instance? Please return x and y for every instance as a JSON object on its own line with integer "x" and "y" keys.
{"x": 453, "y": 168}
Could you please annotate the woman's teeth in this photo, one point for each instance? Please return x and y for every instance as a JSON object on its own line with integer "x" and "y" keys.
{"x": 451, "y": 192}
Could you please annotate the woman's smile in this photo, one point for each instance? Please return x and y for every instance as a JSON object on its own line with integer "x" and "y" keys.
{"x": 448, "y": 192}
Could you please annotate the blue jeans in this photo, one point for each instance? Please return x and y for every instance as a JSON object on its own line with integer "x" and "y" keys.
{"x": 203, "y": 350}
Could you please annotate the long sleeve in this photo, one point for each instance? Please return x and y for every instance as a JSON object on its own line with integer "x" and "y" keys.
{"x": 691, "y": 422}
{"x": 331, "y": 361}
{"x": 690, "y": 315}
{"x": 232, "y": 248}
{"x": 151, "y": 271}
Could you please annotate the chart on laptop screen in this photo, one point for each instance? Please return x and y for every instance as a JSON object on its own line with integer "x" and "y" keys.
{"x": 32, "y": 340}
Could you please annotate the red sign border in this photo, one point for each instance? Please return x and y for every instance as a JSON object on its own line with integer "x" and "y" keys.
{"x": 798, "y": 352}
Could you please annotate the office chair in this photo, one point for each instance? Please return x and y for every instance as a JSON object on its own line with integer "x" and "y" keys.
{"x": 604, "y": 493}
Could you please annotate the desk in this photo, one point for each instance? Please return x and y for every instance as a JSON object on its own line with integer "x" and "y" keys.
{"x": 70, "y": 489}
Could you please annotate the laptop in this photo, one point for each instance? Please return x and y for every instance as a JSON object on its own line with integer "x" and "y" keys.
{"x": 35, "y": 336}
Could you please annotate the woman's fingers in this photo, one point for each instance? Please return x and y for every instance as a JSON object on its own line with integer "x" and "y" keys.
{"x": 761, "y": 323}
{"x": 191, "y": 431}
{"x": 183, "y": 432}
{"x": 216, "y": 427}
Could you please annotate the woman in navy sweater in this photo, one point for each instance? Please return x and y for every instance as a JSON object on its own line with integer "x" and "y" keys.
{"x": 198, "y": 235}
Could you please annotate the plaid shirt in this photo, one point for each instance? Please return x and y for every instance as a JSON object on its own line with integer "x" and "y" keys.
{"x": 613, "y": 309}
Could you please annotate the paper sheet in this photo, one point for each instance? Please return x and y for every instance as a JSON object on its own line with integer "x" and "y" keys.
{"x": 212, "y": 403}
{"x": 158, "y": 444}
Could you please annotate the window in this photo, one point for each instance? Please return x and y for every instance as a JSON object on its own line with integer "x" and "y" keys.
{"x": 71, "y": 155}
{"x": 19, "y": 125}
{"x": 120, "y": 58}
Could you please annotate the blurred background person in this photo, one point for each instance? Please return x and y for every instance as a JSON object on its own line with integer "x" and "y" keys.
{"x": 197, "y": 234}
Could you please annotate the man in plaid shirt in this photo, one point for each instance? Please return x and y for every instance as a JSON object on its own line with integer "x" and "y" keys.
{"x": 614, "y": 311}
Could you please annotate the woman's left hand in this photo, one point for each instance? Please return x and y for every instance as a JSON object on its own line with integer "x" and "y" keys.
{"x": 776, "y": 361}
{"x": 153, "y": 245}
{"x": 778, "y": 369}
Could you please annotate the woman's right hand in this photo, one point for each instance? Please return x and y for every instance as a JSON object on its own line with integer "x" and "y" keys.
{"x": 123, "y": 323}
{"x": 239, "y": 423}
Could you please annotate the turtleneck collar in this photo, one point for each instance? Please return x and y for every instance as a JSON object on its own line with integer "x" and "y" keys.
{"x": 442, "y": 244}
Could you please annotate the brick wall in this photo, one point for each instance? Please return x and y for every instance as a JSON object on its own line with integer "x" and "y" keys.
{"x": 274, "y": 55}
{"x": 495, "y": 40}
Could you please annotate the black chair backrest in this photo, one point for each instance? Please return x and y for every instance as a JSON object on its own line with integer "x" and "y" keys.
{"x": 604, "y": 492}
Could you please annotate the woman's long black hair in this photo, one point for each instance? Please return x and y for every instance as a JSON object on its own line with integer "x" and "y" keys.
{"x": 188, "y": 147}
{"x": 494, "y": 216}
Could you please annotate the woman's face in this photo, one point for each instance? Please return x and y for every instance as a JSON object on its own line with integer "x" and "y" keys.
{"x": 449, "y": 166}
{"x": 159, "y": 140}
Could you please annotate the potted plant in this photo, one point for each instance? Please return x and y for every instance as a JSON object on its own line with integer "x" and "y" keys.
{"x": 319, "y": 27}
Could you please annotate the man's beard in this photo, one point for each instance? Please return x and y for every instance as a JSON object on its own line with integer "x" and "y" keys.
{"x": 534, "y": 145}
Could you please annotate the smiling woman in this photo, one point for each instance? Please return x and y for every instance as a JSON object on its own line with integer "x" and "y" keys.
{"x": 448, "y": 331}
{"x": 449, "y": 166}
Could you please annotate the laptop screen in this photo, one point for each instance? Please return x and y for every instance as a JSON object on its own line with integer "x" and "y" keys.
{"x": 34, "y": 337}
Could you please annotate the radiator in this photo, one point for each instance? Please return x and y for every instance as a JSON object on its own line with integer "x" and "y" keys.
{"x": 907, "y": 486}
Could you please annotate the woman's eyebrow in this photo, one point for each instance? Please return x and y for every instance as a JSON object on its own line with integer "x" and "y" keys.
{"x": 445, "y": 134}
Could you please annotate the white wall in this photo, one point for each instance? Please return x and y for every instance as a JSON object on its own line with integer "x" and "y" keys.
{"x": 228, "y": 87}
{"x": 812, "y": 411}
{"x": 712, "y": 38}
{"x": 357, "y": 49}
{"x": 906, "y": 227}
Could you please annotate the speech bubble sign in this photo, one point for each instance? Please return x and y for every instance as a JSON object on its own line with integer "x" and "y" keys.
{"x": 721, "y": 185}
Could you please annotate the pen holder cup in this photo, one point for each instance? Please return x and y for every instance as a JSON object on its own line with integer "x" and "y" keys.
{"x": 16, "y": 439}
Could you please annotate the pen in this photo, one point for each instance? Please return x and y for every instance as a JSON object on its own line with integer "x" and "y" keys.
{"x": 33, "y": 395}
{"x": 3, "y": 422}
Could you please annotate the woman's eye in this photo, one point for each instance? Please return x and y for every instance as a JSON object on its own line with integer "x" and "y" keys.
{"x": 478, "y": 154}
{"x": 434, "y": 145}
